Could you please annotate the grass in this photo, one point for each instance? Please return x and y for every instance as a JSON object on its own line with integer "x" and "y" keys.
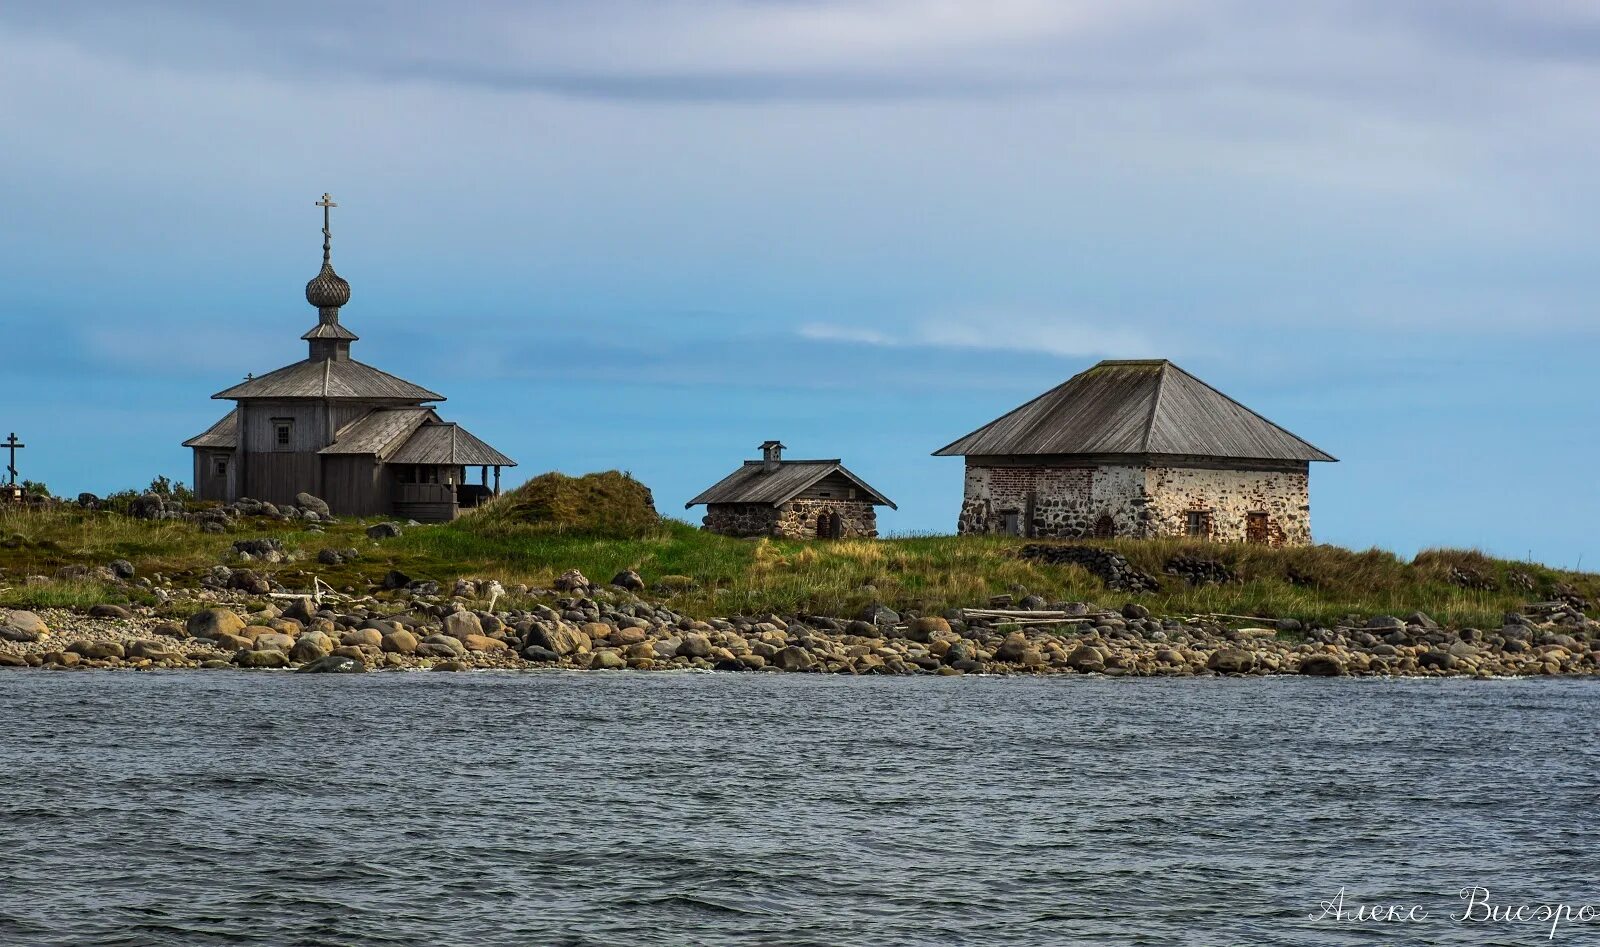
{"x": 715, "y": 575}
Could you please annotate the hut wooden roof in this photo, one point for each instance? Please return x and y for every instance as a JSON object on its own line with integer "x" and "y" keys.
{"x": 1135, "y": 407}
{"x": 752, "y": 483}
{"x": 329, "y": 378}
{"x": 223, "y": 434}
{"x": 379, "y": 432}
{"x": 445, "y": 442}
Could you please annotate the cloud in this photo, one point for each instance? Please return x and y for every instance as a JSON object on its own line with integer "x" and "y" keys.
{"x": 739, "y": 50}
{"x": 998, "y": 332}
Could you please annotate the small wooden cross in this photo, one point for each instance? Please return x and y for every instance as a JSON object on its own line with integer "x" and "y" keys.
{"x": 13, "y": 445}
{"x": 327, "y": 235}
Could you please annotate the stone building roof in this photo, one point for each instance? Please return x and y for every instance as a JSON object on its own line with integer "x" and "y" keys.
{"x": 1135, "y": 407}
{"x": 754, "y": 483}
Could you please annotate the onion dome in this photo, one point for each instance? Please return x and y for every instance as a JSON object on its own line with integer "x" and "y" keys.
{"x": 327, "y": 290}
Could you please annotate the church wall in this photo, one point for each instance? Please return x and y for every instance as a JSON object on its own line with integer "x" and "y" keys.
{"x": 308, "y": 433}
{"x": 355, "y": 485}
{"x": 277, "y": 477}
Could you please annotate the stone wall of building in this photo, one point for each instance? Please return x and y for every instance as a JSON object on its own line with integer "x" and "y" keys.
{"x": 857, "y": 519}
{"x": 1053, "y": 501}
{"x": 1125, "y": 500}
{"x": 794, "y": 520}
{"x": 1227, "y": 498}
{"x": 741, "y": 519}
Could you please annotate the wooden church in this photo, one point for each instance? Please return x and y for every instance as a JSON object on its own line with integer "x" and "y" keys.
{"x": 364, "y": 441}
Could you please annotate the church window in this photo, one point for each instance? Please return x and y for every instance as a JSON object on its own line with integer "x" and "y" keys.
{"x": 282, "y": 433}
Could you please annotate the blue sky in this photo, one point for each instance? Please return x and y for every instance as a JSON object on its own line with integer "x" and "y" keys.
{"x": 650, "y": 235}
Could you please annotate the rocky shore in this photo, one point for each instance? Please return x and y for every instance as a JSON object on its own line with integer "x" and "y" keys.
{"x": 581, "y": 625}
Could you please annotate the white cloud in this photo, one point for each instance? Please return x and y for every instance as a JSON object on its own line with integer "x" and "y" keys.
{"x": 999, "y": 332}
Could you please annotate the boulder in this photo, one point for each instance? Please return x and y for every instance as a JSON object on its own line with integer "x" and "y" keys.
{"x": 1322, "y": 665}
{"x": 792, "y": 659}
{"x": 122, "y": 569}
{"x": 308, "y": 502}
{"x": 462, "y": 625}
{"x": 169, "y": 629}
{"x": 11, "y": 633}
{"x": 362, "y": 637}
{"x": 925, "y": 628}
{"x": 399, "y": 641}
{"x": 151, "y": 650}
{"x": 110, "y": 611}
{"x": 383, "y": 531}
{"x": 879, "y": 614}
{"x": 607, "y": 659}
{"x": 696, "y": 645}
{"x": 1232, "y": 661}
{"x": 300, "y": 609}
{"x": 534, "y": 652}
{"x": 261, "y": 659}
{"x": 272, "y": 641}
{"x": 96, "y": 650}
{"x": 571, "y": 581}
{"x": 628, "y": 579}
{"x": 22, "y": 626}
{"x": 1086, "y": 659}
{"x": 448, "y": 643}
{"x": 213, "y": 622}
{"x": 310, "y": 647}
{"x": 483, "y": 643}
{"x": 560, "y": 637}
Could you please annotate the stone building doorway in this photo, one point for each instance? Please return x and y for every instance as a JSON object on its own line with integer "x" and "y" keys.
{"x": 1105, "y": 527}
{"x": 829, "y": 525}
{"x": 1256, "y": 526}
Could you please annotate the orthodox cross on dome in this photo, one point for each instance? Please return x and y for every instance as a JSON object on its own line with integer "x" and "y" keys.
{"x": 327, "y": 235}
{"x": 12, "y": 445}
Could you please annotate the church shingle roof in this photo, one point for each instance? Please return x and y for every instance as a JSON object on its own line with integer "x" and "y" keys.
{"x": 329, "y": 378}
{"x": 223, "y": 434}
{"x": 445, "y": 442}
{"x": 1135, "y": 407}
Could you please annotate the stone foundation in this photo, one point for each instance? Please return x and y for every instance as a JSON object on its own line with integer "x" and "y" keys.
{"x": 796, "y": 519}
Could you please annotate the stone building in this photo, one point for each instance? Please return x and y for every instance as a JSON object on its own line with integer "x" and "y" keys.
{"x": 365, "y": 442}
{"x": 791, "y": 499}
{"x": 1140, "y": 449}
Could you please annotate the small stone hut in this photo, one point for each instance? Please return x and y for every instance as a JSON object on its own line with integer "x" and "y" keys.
{"x": 792, "y": 499}
{"x": 1138, "y": 449}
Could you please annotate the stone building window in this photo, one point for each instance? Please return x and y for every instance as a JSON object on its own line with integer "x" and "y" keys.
{"x": 1198, "y": 523}
{"x": 1256, "y": 527}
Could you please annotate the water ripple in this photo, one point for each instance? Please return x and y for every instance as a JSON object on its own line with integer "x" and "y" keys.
{"x": 568, "y": 809}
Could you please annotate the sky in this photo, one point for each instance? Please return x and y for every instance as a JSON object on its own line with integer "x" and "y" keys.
{"x": 650, "y": 235}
